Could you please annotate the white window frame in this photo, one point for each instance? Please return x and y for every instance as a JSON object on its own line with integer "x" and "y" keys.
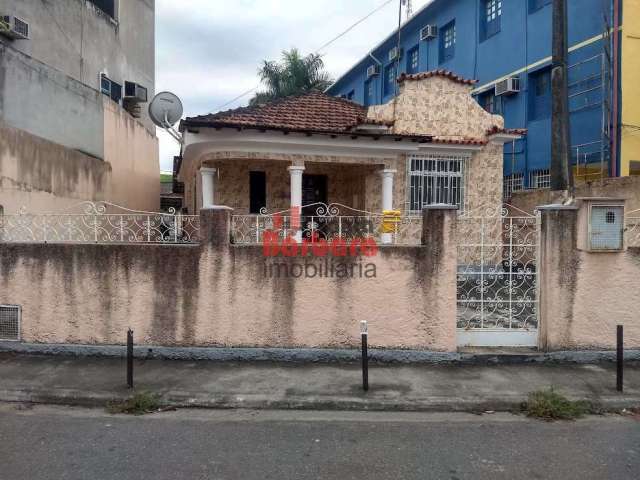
{"x": 540, "y": 179}
{"x": 512, "y": 183}
{"x": 434, "y": 166}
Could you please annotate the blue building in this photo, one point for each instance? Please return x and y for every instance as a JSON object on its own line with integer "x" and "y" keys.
{"x": 506, "y": 46}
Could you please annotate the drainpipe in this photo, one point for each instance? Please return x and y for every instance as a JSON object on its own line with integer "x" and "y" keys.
{"x": 380, "y": 74}
{"x": 616, "y": 65}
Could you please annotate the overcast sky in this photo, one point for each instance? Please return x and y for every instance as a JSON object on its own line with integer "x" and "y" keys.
{"x": 208, "y": 51}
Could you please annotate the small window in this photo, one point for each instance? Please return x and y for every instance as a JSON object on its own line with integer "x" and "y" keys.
{"x": 413, "y": 60}
{"x": 540, "y": 94}
{"x": 110, "y": 88}
{"x": 490, "y": 102}
{"x": 351, "y": 95}
{"x": 535, "y": 5}
{"x": 389, "y": 79}
{"x": 448, "y": 42}
{"x": 512, "y": 183}
{"x": 491, "y": 16}
{"x": 540, "y": 179}
{"x": 611, "y": 217}
{"x": 107, "y": 6}
{"x": 369, "y": 92}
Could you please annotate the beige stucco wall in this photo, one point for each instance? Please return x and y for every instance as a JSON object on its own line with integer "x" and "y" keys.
{"x": 584, "y": 295}
{"x": 133, "y": 153}
{"x": 43, "y": 176}
{"x": 220, "y": 296}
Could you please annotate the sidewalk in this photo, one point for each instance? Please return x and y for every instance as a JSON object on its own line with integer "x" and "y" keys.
{"x": 94, "y": 381}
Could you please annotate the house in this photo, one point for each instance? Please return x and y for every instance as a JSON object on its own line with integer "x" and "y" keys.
{"x": 433, "y": 144}
{"x": 76, "y": 76}
{"x": 506, "y": 45}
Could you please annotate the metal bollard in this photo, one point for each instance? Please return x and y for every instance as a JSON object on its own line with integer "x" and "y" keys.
{"x": 365, "y": 355}
{"x": 620, "y": 359}
{"x": 130, "y": 358}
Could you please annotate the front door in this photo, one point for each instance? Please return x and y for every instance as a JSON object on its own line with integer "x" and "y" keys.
{"x": 314, "y": 190}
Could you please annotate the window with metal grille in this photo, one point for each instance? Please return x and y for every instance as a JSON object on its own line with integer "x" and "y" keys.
{"x": 435, "y": 180}
{"x": 491, "y": 17}
{"x": 413, "y": 60}
{"x": 540, "y": 179}
{"x": 490, "y": 102}
{"x": 110, "y": 88}
{"x": 513, "y": 183}
{"x": 448, "y": 41}
{"x": 10, "y": 322}
{"x": 389, "y": 79}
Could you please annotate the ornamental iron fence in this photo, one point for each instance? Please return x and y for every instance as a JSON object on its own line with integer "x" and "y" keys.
{"x": 100, "y": 222}
{"x": 632, "y": 228}
{"x": 320, "y": 221}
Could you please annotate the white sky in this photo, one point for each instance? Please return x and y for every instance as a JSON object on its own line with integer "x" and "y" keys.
{"x": 208, "y": 51}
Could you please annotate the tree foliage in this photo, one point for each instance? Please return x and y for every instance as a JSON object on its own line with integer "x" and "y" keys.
{"x": 293, "y": 75}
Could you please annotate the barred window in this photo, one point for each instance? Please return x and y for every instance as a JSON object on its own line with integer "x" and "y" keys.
{"x": 435, "y": 180}
{"x": 513, "y": 183}
{"x": 540, "y": 179}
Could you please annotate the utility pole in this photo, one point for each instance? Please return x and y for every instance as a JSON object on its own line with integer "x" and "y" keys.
{"x": 561, "y": 171}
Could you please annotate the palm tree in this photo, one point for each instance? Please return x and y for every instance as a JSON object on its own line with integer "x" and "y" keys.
{"x": 295, "y": 74}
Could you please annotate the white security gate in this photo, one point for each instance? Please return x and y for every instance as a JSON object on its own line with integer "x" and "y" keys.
{"x": 498, "y": 280}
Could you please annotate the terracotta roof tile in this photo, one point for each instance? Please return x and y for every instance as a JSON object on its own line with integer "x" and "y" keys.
{"x": 459, "y": 141}
{"x": 437, "y": 73}
{"x": 495, "y": 130}
{"x": 309, "y": 112}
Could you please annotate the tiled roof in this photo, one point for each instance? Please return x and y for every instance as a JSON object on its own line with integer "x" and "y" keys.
{"x": 436, "y": 73}
{"x": 313, "y": 112}
{"x": 509, "y": 131}
{"x": 459, "y": 141}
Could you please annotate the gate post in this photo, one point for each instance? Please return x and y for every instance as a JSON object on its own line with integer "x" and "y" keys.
{"x": 215, "y": 226}
{"x": 440, "y": 269}
{"x": 557, "y": 269}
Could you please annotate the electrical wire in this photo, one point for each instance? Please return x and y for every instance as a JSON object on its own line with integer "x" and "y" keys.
{"x": 318, "y": 50}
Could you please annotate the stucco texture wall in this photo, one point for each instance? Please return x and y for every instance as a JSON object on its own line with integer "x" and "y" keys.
{"x": 584, "y": 295}
{"x": 630, "y": 67}
{"x": 44, "y": 176}
{"x": 221, "y": 296}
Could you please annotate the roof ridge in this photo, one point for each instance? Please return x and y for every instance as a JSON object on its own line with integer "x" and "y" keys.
{"x": 440, "y": 72}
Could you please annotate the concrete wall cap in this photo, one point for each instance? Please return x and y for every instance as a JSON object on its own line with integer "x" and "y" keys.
{"x": 557, "y": 206}
{"x": 441, "y": 207}
{"x": 601, "y": 199}
{"x": 217, "y": 207}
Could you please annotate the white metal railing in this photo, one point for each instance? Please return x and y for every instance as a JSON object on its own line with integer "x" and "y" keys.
{"x": 100, "y": 222}
{"x": 324, "y": 222}
{"x": 632, "y": 228}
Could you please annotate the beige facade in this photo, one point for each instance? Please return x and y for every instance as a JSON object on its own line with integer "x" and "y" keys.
{"x": 43, "y": 176}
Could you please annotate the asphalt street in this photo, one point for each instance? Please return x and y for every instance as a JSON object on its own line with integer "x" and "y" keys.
{"x": 71, "y": 443}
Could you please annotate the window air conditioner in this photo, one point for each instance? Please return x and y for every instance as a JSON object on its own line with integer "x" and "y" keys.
{"x": 13, "y": 27}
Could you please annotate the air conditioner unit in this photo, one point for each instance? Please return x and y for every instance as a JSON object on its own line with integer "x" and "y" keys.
{"x": 13, "y": 27}
{"x": 135, "y": 92}
{"x": 509, "y": 86}
{"x": 394, "y": 54}
{"x": 429, "y": 32}
{"x": 372, "y": 71}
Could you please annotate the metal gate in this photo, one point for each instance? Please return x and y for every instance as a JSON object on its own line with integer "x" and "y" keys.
{"x": 497, "y": 280}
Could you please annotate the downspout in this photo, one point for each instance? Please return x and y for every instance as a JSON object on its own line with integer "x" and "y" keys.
{"x": 616, "y": 65}
{"x": 380, "y": 74}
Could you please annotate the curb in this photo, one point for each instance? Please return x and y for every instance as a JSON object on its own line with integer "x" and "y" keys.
{"x": 469, "y": 404}
{"x": 309, "y": 355}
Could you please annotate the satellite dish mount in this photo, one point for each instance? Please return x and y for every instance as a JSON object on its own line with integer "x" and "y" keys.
{"x": 165, "y": 111}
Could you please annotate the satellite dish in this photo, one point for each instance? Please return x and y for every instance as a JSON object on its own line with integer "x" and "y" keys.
{"x": 165, "y": 109}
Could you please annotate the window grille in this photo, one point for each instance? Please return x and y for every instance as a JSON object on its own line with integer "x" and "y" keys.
{"x": 492, "y": 17}
{"x": 448, "y": 42}
{"x": 607, "y": 227}
{"x": 389, "y": 79}
{"x": 435, "y": 180}
{"x": 540, "y": 179}
{"x": 513, "y": 183}
{"x": 413, "y": 60}
{"x": 10, "y": 322}
{"x": 490, "y": 102}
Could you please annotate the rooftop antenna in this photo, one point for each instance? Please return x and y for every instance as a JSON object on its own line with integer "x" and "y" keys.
{"x": 165, "y": 111}
{"x": 409, "y": 6}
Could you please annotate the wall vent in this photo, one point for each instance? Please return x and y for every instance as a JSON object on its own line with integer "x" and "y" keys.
{"x": 10, "y": 316}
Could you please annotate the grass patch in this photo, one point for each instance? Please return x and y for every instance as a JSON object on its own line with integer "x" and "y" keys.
{"x": 138, "y": 404}
{"x": 550, "y": 405}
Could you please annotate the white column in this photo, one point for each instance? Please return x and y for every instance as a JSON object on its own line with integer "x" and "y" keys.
{"x": 295, "y": 171}
{"x": 208, "y": 182}
{"x": 387, "y": 198}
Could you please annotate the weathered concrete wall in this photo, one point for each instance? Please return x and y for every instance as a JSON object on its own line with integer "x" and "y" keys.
{"x": 50, "y": 104}
{"x": 77, "y": 39}
{"x": 217, "y": 294}
{"x": 622, "y": 187}
{"x": 44, "y": 176}
{"x": 132, "y": 152}
{"x": 584, "y": 295}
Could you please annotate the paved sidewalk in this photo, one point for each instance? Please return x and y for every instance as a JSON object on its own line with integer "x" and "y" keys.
{"x": 94, "y": 381}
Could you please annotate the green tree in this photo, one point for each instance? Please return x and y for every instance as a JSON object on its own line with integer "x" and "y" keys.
{"x": 293, "y": 75}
